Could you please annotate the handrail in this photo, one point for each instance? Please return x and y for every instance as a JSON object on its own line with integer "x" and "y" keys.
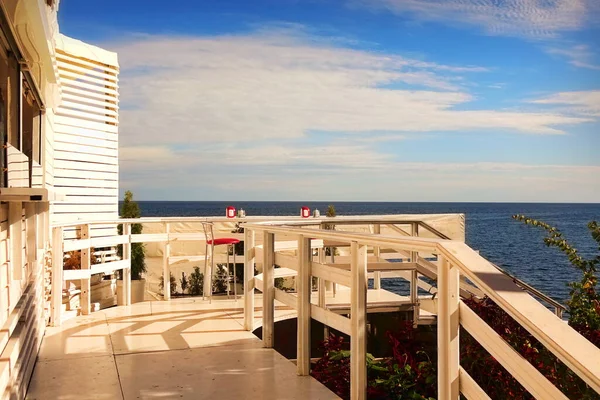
{"x": 569, "y": 346}
{"x": 558, "y": 307}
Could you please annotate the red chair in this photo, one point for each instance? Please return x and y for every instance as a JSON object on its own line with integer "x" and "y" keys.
{"x": 212, "y": 242}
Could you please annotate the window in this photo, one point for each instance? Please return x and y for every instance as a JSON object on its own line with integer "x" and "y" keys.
{"x": 20, "y": 115}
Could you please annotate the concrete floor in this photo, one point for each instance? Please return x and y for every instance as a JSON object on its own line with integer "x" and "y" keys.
{"x": 182, "y": 349}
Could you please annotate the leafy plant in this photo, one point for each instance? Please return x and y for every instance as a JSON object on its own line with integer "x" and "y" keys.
{"x": 130, "y": 209}
{"x": 72, "y": 259}
{"x": 173, "y": 283}
{"x": 493, "y": 378}
{"x": 584, "y": 302}
{"x": 183, "y": 282}
{"x": 196, "y": 282}
{"x": 409, "y": 373}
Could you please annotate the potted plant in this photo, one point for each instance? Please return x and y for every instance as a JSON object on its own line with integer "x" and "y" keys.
{"x": 130, "y": 209}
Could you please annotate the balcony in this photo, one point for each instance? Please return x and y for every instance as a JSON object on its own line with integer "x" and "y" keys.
{"x": 193, "y": 348}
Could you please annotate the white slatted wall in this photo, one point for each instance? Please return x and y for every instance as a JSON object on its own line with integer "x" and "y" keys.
{"x": 85, "y": 162}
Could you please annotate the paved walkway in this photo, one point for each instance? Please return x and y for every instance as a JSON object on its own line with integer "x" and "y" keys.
{"x": 182, "y": 349}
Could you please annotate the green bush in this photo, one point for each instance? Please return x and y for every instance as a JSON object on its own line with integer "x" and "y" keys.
{"x": 196, "y": 282}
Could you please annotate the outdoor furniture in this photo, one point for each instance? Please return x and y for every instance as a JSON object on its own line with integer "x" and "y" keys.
{"x": 212, "y": 242}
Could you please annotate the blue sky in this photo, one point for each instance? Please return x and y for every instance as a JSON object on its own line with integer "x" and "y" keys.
{"x": 382, "y": 100}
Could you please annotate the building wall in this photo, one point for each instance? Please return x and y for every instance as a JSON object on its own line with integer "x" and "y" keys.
{"x": 79, "y": 162}
{"x": 85, "y": 153}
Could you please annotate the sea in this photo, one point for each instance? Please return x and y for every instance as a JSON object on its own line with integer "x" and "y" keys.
{"x": 490, "y": 229}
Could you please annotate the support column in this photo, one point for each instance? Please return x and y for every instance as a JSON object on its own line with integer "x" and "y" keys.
{"x": 303, "y": 306}
{"x": 127, "y": 271}
{"x": 358, "y": 316}
{"x": 268, "y": 289}
{"x": 15, "y": 235}
{"x": 249, "y": 254}
{"x": 448, "y": 330}
{"x": 57, "y": 275}
{"x": 377, "y": 253}
{"x": 166, "y": 267}
{"x": 31, "y": 234}
{"x": 84, "y": 233}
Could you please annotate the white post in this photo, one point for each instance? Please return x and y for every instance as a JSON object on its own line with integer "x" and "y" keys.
{"x": 358, "y": 317}
{"x": 447, "y": 331}
{"x": 166, "y": 268}
{"x": 249, "y": 254}
{"x": 377, "y": 253}
{"x": 57, "y": 275}
{"x": 15, "y": 235}
{"x": 31, "y": 234}
{"x": 303, "y": 306}
{"x": 322, "y": 291}
{"x": 268, "y": 288}
{"x": 84, "y": 233}
{"x": 127, "y": 271}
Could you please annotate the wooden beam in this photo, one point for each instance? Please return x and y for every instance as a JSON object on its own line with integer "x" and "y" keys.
{"x": 127, "y": 271}
{"x": 358, "y": 312}
{"x": 377, "y": 253}
{"x": 447, "y": 331}
{"x": 268, "y": 288}
{"x": 15, "y": 235}
{"x": 57, "y": 280}
{"x": 515, "y": 363}
{"x": 304, "y": 292}
{"x": 84, "y": 233}
{"x": 469, "y": 388}
{"x": 166, "y": 267}
{"x": 249, "y": 279}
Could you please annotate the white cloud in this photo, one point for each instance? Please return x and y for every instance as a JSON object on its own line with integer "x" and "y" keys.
{"x": 586, "y": 103}
{"x": 579, "y": 55}
{"x": 530, "y": 18}
{"x": 249, "y": 88}
{"x": 340, "y": 172}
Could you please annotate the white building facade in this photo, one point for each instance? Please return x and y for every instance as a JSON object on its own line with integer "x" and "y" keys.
{"x": 59, "y": 164}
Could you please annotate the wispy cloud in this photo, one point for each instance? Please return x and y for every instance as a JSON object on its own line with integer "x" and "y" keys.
{"x": 585, "y": 103}
{"x": 246, "y": 88}
{"x": 530, "y": 18}
{"x": 578, "y": 55}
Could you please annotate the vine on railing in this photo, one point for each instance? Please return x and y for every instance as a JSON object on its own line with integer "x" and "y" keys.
{"x": 584, "y": 304}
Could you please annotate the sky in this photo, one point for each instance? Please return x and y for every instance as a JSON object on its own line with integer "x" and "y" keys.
{"x": 354, "y": 100}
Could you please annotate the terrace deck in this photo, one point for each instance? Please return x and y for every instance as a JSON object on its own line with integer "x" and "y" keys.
{"x": 184, "y": 349}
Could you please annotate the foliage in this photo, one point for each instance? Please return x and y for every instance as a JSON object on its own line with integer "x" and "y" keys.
{"x": 183, "y": 282}
{"x": 130, "y": 209}
{"x": 72, "y": 259}
{"x": 584, "y": 304}
{"x": 331, "y": 213}
{"x": 408, "y": 373}
{"x": 173, "y": 283}
{"x": 219, "y": 283}
{"x": 493, "y": 378}
{"x": 196, "y": 282}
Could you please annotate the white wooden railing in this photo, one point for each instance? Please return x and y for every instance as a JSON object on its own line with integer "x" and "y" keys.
{"x": 455, "y": 261}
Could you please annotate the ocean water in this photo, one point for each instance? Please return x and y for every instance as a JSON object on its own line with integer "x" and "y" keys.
{"x": 490, "y": 229}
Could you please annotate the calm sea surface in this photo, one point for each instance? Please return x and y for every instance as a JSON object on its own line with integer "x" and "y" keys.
{"x": 490, "y": 229}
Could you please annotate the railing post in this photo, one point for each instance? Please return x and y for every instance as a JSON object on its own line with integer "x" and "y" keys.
{"x": 358, "y": 316}
{"x": 31, "y": 233}
{"x": 127, "y": 271}
{"x": 268, "y": 288}
{"x": 448, "y": 326}
{"x": 303, "y": 306}
{"x": 86, "y": 306}
{"x": 377, "y": 253}
{"x": 166, "y": 268}
{"x": 57, "y": 275}
{"x": 322, "y": 290}
{"x": 249, "y": 254}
